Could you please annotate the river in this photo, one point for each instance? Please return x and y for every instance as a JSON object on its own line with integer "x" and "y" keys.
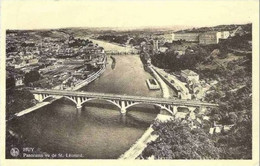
{"x": 99, "y": 131}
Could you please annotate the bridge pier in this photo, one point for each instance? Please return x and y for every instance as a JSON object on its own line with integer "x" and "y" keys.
{"x": 123, "y": 107}
{"x": 202, "y": 109}
{"x": 123, "y": 111}
{"x": 123, "y": 118}
{"x": 39, "y": 97}
{"x": 79, "y": 108}
{"x": 174, "y": 109}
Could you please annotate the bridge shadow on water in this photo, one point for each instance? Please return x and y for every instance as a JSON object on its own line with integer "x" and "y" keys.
{"x": 99, "y": 131}
{"x": 103, "y": 112}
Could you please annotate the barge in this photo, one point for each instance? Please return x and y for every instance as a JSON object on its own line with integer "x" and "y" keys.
{"x": 152, "y": 84}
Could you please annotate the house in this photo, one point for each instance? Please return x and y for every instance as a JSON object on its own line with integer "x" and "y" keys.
{"x": 188, "y": 75}
{"x": 224, "y": 34}
{"x": 19, "y": 81}
{"x": 179, "y": 53}
{"x": 163, "y": 49}
{"x": 155, "y": 45}
{"x": 33, "y": 61}
{"x": 165, "y": 38}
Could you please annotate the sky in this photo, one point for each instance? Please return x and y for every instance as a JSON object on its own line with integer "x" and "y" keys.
{"x": 125, "y": 14}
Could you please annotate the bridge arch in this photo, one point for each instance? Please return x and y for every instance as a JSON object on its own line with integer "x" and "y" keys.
{"x": 42, "y": 97}
{"x": 129, "y": 41}
{"x": 159, "y": 105}
{"x": 67, "y": 97}
{"x": 48, "y": 96}
{"x": 110, "y": 101}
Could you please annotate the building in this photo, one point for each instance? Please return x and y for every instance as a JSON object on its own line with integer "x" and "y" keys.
{"x": 163, "y": 38}
{"x": 189, "y": 37}
{"x": 33, "y": 61}
{"x": 155, "y": 45}
{"x": 19, "y": 81}
{"x": 73, "y": 62}
{"x": 189, "y": 75}
{"x": 167, "y": 38}
{"x": 163, "y": 49}
{"x": 210, "y": 37}
{"x": 179, "y": 52}
{"x": 224, "y": 34}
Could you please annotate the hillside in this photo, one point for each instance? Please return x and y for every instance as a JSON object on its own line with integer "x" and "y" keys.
{"x": 246, "y": 27}
{"x": 229, "y": 64}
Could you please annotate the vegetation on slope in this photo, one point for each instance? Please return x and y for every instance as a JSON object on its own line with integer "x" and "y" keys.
{"x": 179, "y": 141}
{"x": 233, "y": 92}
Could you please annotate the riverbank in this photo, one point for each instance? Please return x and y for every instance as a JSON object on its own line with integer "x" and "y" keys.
{"x": 136, "y": 150}
{"x": 120, "y": 136}
{"x": 164, "y": 87}
{"x": 83, "y": 83}
{"x": 113, "y": 65}
{"x": 174, "y": 83}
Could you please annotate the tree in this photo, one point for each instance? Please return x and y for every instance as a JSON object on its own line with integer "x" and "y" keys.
{"x": 10, "y": 82}
{"x": 18, "y": 100}
{"x": 237, "y": 143}
{"x": 31, "y": 77}
{"x": 178, "y": 141}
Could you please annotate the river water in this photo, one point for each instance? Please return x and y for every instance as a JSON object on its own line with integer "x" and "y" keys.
{"x": 99, "y": 131}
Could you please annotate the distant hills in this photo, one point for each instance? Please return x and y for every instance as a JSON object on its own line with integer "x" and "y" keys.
{"x": 88, "y": 31}
{"x": 245, "y": 27}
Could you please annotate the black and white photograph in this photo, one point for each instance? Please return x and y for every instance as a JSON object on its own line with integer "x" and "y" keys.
{"x": 123, "y": 80}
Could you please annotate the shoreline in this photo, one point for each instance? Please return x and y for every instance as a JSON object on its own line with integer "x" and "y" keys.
{"x": 77, "y": 87}
{"x": 138, "y": 147}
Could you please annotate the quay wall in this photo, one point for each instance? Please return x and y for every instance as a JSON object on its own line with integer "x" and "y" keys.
{"x": 176, "y": 86}
{"x": 165, "y": 90}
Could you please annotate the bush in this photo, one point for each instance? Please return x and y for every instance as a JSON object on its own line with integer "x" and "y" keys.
{"x": 179, "y": 141}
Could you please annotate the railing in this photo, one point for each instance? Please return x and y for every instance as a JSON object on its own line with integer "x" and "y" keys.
{"x": 124, "y": 97}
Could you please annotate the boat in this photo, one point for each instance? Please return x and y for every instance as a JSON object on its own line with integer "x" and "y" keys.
{"x": 152, "y": 84}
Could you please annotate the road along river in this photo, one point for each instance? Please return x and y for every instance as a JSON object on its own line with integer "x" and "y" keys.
{"x": 99, "y": 131}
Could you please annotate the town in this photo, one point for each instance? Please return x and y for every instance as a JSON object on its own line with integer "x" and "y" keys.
{"x": 51, "y": 62}
{"x": 199, "y": 66}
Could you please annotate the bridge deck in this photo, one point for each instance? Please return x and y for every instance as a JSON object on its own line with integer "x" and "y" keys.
{"x": 122, "y": 97}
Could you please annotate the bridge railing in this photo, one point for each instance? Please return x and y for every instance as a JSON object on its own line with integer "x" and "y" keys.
{"x": 124, "y": 97}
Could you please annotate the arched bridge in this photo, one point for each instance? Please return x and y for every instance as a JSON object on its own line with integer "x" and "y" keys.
{"x": 121, "y": 101}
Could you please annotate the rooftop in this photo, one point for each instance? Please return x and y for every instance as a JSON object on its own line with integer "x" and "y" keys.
{"x": 189, "y": 72}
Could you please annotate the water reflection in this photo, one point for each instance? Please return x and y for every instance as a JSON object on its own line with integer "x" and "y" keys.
{"x": 99, "y": 131}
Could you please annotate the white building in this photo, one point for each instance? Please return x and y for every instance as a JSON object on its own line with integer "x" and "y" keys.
{"x": 210, "y": 37}
{"x": 163, "y": 49}
{"x": 19, "y": 81}
{"x": 155, "y": 45}
{"x": 224, "y": 34}
{"x": 189, "y": 37}
{"x": 189, "y": 75}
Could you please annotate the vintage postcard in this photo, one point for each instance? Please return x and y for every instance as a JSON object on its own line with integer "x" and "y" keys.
{"x": 129, "y": 82}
